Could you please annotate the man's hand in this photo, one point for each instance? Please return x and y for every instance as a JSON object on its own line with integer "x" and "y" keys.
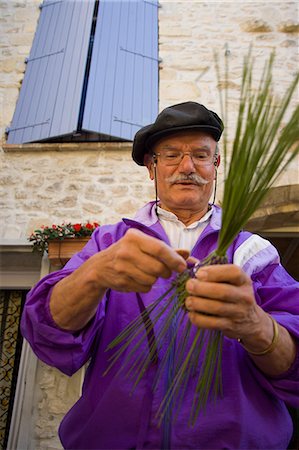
{"x": 135, "y": 262}
{"x": 132, "y": 264}
{"x": 222, "y": 298}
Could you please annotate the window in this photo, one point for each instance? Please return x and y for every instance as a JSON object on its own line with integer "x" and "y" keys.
{"x": 92, "y": 73}
{"x": 11, "y": 304}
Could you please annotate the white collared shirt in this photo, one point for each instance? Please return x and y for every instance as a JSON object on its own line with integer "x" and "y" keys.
{"x": 180, "y": 235}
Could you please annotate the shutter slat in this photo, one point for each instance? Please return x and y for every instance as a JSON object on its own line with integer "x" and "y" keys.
{"x": 131, "y": 68}
{"x": 118, "y": 99}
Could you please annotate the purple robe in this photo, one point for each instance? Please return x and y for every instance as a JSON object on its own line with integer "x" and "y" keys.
{"x": 251, "y": 414}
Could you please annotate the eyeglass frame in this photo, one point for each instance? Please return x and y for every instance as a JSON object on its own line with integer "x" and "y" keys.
{"x": 213, "y": 159}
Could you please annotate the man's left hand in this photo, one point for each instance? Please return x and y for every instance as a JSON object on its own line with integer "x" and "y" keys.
{"x": 222, "y": 298}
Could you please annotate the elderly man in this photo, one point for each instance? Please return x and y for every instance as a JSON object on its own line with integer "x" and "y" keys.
{"x": 72, "y": 315}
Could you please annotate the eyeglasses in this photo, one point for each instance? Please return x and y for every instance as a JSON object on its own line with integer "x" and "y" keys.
{"x": 175, "y": 157}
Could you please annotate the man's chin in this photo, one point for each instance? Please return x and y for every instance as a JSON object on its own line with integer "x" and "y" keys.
{"x": 187, "y": 197}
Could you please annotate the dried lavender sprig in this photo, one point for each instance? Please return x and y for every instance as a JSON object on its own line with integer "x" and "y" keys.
{"x": 210, "y": 373}
{"x": 135, "y": 330}
{"x": 136, "y": 363}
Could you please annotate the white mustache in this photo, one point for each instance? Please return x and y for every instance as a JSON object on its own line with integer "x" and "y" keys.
{"x": 194, "y": 177}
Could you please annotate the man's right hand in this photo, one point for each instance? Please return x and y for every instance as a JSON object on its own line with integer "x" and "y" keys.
{"x": 132, "y": 264}
{"x": 135, "y": 262}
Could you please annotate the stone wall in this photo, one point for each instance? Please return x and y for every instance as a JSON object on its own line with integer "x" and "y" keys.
{"x": 34, "y": 192}
{"x": 99, "y": 182}
{"x": 53, "y": 186}
{"x": 191, "y": 31}
{"x": 54, "y": 396}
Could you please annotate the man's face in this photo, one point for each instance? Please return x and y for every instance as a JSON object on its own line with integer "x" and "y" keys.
{"x": 176, "y": 188}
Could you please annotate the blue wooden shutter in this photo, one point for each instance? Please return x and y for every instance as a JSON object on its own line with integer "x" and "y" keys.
{"x": 49, "y": 100}
{"x": 122, "y": 92}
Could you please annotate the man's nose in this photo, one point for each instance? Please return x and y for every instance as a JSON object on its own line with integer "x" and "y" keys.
{"x": 187, "y": 164}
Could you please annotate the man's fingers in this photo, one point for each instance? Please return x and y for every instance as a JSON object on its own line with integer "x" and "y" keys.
{"x": 148, "y": 266}
{"x": 209, "y": 290}
{"x": 226, "y": 273}
{"x": 167, "y": 256}
{"x": 184, "y": 253}
{"x": 139, "y": 284}
{"x": 226, "y": 284}
{"x": 137, "y": 260}
{"x": 158, "y": 249}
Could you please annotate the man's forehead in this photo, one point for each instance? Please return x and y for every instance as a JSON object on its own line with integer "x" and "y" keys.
{"x": 194, "y": 138}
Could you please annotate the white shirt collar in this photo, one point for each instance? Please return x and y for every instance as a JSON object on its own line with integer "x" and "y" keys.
{"x": 171, "y": 217}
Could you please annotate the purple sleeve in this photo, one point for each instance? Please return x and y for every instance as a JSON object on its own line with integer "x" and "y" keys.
{"x": 65, "y": 350}
{"x": 278, "y": 294}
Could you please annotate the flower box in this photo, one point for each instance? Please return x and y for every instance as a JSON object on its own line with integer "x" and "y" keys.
{"x": 74, "y": 236}
{"x": 61, "y": 251}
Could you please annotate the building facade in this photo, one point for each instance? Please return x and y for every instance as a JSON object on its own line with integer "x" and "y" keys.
{"x": 45, "y": 183}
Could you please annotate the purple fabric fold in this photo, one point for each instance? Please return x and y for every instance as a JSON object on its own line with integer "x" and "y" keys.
{"x": 110, "y": 415}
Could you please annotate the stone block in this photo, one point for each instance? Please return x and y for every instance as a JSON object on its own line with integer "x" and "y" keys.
{"x": 174, "y": 30}
{"x": 289, "y": 43}
{"x": 34, "y": 181}
{"x": 118, "y": 191}
{"x": 92, "y": 209}
{"x": 179, "y": 90}
{"x": 21, "y": 39}
{"x": 126, "y": 207}
{"x": 289, "y": 27}
{"x": 69, "y": 201}
{"x": 256, "y": 26}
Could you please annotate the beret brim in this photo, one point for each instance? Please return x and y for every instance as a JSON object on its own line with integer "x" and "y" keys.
{"x": 174, "y": 119}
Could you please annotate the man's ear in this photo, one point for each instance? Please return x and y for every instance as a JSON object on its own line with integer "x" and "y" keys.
{"x": 150, "y": 164}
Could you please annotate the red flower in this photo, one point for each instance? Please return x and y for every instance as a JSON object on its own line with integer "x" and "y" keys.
{"x": 77, "y": 226}
{"x": 43, "y": 236}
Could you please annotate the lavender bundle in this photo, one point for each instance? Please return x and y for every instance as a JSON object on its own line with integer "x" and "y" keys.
{"x": 260, "y": 152}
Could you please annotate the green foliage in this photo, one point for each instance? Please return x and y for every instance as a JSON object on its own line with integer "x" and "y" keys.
{"x": 40, "y": 238}
{"x": 261, "y": 149}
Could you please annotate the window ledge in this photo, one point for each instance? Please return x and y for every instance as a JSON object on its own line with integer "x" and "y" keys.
{"x": 18, "y": 245}
{"x": 63, "y": 147}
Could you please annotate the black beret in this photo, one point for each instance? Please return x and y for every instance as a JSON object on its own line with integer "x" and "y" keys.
{"x": 183, "y": 116}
